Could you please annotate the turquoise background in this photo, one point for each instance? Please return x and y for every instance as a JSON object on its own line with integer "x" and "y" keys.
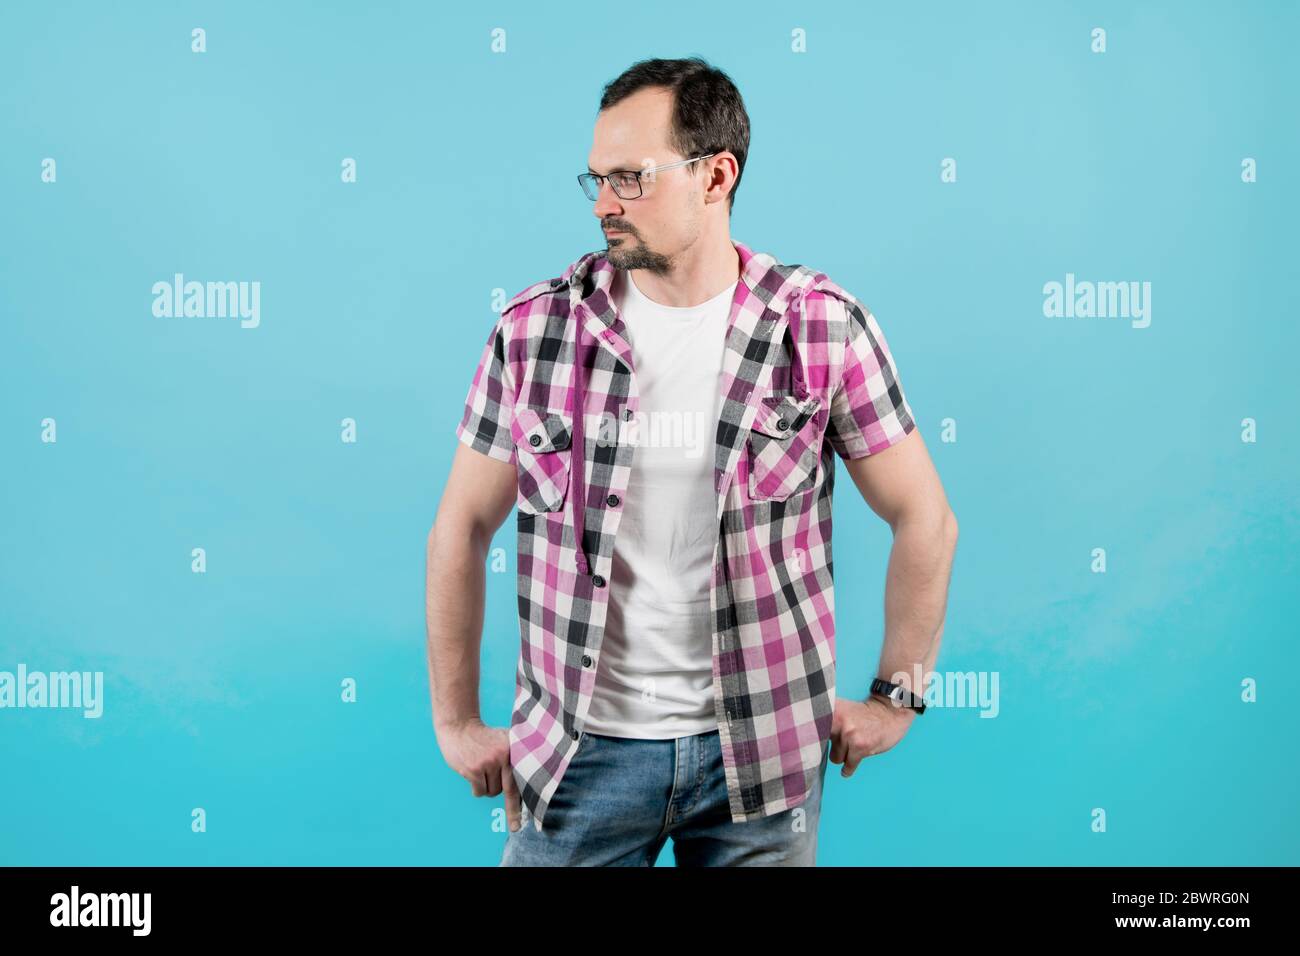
{"x": 1119, "y": 690}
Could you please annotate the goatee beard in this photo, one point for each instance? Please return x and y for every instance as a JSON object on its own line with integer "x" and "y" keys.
{"x": 638, "y": 257}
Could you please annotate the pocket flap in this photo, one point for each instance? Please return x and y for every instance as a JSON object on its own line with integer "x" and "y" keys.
{"x": 538, "y": 430}
{"x": 780, "y": 416}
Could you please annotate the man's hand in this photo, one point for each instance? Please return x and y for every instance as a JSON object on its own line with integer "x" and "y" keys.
{"x": 866, "y": 728}
{"x": 481, "y": 755}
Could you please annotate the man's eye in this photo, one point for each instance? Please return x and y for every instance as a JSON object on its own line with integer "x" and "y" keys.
{"x": 623, "y": 179}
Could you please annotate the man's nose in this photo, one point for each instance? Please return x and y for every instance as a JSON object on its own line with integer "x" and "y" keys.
{"x": 607, "y": 201}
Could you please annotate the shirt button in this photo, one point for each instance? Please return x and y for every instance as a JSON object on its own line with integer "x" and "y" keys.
{"x": 586, "y": 661}
{"x": 627, "y": 414}
{"x": 612, "y": 501}
{"x": 782, "y": 424}
{"x": 573, "y": 734}
{"x": 597, "y": 580}
{"x": 534, "y": 439}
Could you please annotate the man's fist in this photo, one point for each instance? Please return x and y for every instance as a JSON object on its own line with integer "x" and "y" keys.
{"x": 481, "y": 755}
{"x": 866, "y": 728}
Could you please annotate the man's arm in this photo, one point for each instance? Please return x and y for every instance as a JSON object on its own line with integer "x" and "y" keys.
{"x": 479, "y": 495}
{"x": 900, "y": 484}
{"x": 481, "y": 490}
{"x": 872, "y": 428}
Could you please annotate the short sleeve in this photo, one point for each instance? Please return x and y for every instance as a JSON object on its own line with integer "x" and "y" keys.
{"x": 489, "y": 405}
{"x": 869, "y": 412}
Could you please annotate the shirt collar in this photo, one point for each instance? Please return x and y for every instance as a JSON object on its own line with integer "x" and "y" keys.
{"x": 591, "y": 277}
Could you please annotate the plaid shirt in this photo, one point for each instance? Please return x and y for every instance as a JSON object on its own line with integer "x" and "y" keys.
{"x": 804, "y": 361}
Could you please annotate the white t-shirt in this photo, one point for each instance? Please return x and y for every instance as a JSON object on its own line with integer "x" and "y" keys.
{"x": 654, "y": 676}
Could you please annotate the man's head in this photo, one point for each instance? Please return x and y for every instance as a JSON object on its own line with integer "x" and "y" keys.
{"x": 656, "y": 113}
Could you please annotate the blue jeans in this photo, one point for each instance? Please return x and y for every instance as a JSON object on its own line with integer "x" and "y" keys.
{"x": 621, "y": 798}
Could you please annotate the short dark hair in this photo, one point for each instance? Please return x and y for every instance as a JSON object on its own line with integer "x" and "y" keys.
{"x": 708, "y": 112}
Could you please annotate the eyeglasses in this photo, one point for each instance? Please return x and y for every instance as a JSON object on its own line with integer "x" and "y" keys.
{"x": 626, "y": 183}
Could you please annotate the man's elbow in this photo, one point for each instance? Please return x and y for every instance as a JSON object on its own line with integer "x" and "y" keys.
{"x": 451, "y": 534}
{"x": 935, "y": 523}
{"x": 950, "y": 527}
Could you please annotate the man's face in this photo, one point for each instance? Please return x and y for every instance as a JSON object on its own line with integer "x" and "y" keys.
{"x": 648, "y": 232}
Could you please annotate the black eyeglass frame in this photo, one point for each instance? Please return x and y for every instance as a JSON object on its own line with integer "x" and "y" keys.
{"x": 594, "y": 178}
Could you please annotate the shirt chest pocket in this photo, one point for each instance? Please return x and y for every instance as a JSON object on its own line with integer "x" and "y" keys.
{"x": 542, "y": 458}
{"x": 785, "y": 446}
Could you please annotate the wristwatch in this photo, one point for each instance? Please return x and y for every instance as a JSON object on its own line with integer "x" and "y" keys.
{"x": 898, "y": 693}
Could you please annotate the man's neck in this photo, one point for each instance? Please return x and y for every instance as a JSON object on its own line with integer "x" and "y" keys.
{"x": 702, "y": 272}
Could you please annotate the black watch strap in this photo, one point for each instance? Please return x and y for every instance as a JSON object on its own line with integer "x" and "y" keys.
{"x": 897, "y": 692}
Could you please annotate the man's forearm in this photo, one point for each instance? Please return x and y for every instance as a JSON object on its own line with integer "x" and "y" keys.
{"x": 454, "y": 598}
{"x": 916, "y": 597}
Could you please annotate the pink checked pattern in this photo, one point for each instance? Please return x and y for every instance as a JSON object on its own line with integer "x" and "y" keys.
{"x": 807, "y": 375}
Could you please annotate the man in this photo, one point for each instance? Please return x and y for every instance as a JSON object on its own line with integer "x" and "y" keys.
{"x": 677, "y": 667}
